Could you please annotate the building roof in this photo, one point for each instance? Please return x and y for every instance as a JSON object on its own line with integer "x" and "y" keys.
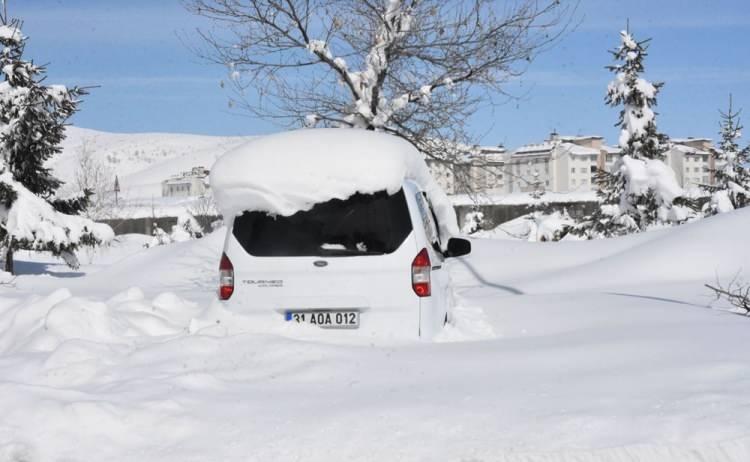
{"x": 577, "y": 150}
{"x": 689, "y": 139}
{"x": 580, "y": 138}
{"x": 611, "y": 149}
{"x": 689, "y": 149}
{"x": 535, "y": 149}
{"x": 200, "y": 173}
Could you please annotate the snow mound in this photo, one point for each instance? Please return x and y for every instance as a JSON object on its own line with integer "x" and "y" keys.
{"x": 46, "y": 323}
{"x": 289, "y": 172}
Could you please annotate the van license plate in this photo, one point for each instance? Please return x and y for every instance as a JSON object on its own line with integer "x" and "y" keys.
{"x": 326, "y": 319}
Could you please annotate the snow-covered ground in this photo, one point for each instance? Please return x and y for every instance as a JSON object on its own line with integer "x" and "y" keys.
{"x": 583, "y": 351}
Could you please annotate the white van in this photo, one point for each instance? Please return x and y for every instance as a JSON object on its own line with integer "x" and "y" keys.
{"x": 370, "y": 261}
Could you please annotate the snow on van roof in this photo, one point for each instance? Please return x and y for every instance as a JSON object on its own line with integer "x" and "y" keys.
{"x": 292, "y": 171}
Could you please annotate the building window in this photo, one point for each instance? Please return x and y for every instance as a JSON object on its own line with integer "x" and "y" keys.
{"x": 583, "y": 170}
{"x": 572, "y": 170}
{"x": 573, "y": 182}
{"x": 697, "y": 169}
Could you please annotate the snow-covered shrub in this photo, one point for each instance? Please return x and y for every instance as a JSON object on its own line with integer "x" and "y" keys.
{"x": 473, "y": 222}
{"x": 160, "y": 237}
{"x": 548, "y": 227}
{"x": 641, "y": 191}
{"x": 187, "y": 228}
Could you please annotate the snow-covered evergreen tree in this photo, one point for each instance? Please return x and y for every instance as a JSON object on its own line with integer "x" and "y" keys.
{"x": 641, "y": 191}
{"x": 32, "y": 125}
{"x": 731, "y": 188}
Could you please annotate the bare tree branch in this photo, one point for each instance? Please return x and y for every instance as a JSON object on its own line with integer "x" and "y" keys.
{"x": 419, "y": 69}
{"x": 735, "y": 292}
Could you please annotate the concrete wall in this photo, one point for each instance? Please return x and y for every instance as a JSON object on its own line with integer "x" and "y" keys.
{"x": 493, "y": 215}
{"x": 498, "y": 214}
{"x": 146, "y": 225}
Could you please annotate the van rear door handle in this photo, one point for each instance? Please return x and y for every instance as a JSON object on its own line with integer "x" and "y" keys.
{"x": 436, "y": 267}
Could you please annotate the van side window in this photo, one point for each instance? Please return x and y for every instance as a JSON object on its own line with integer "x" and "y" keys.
{"x": 428, "y": 220}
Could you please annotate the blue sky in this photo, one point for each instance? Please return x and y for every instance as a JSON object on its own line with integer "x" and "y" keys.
{"x": 150, "y": 81}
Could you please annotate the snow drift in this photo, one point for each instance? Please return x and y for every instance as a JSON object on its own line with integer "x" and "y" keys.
{"x": 605, "y": 351}
{"x": 290, "y": 172}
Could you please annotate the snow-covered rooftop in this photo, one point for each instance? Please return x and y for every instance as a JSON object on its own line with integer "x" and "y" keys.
{"x": 547, "y": 147}
{"x": 194, "y": 173}
{"x": 690, "y": 140}
{"x": 577, "y": 150}
{"x": 491, "y": 149}
{"x": 689, "y": 149}
{"x": 580, "y": 138}
{"x": 611, "y": 149}
{"x": 541, "y": 148}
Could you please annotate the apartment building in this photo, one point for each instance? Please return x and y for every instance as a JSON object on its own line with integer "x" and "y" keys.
{"x": 693, "y": 161}
{"x": 560, "y": 164}
{"x": 564, "y": 164}
{"x": 482, "y": 170}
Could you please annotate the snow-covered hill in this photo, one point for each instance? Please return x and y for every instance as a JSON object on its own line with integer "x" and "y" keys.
{"x": 140, "y": 160}
{"x": 574, "y": 351}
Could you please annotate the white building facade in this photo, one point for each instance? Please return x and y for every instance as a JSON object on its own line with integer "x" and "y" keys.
{"x": 693, "y": 161}
{"x": 559, "y": 164}
{"x": 186, "y": 184}
{"x": 564, "y": 164}
{"x": 483, "y": 170}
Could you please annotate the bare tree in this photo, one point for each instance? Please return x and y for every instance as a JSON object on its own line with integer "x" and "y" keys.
{"x": 204, "y": 210}
{"x": 93, "y": 175}
{"x": 418, "y": 69}
{"x": 736, "y": 292}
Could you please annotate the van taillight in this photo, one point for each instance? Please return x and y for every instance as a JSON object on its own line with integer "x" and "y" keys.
{"x": 226, "y": 278}
{"x": 420, "y": 274}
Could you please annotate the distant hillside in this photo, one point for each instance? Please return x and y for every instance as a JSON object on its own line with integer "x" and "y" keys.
{"x": 141, "y": 160}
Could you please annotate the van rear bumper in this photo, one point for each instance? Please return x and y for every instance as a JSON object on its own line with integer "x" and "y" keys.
{"x": 385, "y": 322}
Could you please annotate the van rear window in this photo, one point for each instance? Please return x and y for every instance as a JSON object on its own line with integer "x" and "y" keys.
{"x": 363, "y": 224}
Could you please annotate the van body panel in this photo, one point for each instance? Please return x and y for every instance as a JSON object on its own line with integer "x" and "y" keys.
{"x": 379, "y": 286}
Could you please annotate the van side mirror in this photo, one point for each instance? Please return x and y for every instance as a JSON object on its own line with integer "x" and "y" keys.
{"x": 458, "y": 247}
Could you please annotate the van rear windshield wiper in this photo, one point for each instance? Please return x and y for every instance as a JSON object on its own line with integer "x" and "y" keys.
{"x": 346, "y": 252}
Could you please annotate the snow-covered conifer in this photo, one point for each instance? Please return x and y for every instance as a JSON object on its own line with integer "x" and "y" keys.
{"x": 641, "y": 191}
{"x": 32, "y": 125}
{"x": 731, "y": 188}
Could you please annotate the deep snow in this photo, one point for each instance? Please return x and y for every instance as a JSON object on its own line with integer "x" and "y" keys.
{"x": 587, "y": 351}
{"x": 288, "y": 172}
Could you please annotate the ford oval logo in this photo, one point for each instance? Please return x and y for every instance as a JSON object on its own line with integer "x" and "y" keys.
{"x": 320, "y": 263}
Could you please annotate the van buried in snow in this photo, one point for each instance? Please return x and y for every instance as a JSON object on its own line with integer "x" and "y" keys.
{"x": 342, "y": 229}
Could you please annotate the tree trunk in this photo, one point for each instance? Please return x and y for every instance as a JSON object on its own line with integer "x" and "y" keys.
{"x": 9, "y": 260}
